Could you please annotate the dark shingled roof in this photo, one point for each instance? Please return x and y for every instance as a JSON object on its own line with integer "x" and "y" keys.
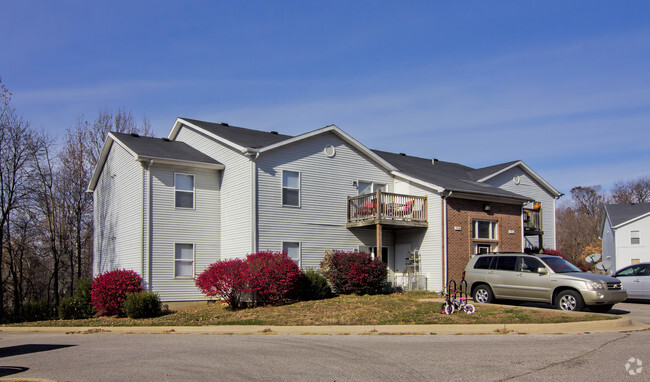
{"x": 239, "y": 135}
{"x": 620, "y": 213}
{"x": 481, "y": 173}
{"x": 163, "y": 149}
{"x": 452, "y": 176}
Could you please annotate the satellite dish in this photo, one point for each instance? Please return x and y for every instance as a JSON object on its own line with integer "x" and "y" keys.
{"x": 593, "y": 258}
{"x": 604, "y": 265}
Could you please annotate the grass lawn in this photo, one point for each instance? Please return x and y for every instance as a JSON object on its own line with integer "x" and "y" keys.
{"x": 393, "y": 309}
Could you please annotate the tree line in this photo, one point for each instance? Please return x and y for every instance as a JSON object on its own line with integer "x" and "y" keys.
{"x": 46, "y": 215}
{"x": 578, "y": 221}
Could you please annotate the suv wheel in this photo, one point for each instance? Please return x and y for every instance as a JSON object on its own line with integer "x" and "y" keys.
{"x": 569, "y": 300}
{"x": 483, "y": 294}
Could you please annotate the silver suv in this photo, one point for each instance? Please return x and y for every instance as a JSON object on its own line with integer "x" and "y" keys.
{"x": 542, "y": 278}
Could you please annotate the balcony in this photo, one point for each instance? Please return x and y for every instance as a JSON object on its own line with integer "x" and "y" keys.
{"x": 532, "y": 222}
{"x": 386, "y": 208}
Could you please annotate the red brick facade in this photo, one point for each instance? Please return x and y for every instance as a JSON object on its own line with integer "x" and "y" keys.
{"x": 461, "y": 213}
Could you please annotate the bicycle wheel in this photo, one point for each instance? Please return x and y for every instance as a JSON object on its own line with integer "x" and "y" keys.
{"x": 470, "y": 309}
{"x": 449, "y": 309}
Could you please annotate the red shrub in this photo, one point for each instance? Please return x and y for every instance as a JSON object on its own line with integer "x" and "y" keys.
{"x": 225, "y": 279}
{"x": 354, "y": 272}
{"x": 109, "y": 290}
{"x": 272, "y": 275}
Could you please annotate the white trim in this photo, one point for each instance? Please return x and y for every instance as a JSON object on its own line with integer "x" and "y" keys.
{"x": 193, "y": 191}
{"x": 290, "y": 188}
{"x": 494, "y": 234}
{"x": 283, "y": 242}
{"x": 529, "y": 171}
{"x": 186, "y": 261}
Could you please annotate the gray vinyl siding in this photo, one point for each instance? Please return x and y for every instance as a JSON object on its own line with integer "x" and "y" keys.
{"x": 325, "y": 183}
{"x": 198, "y": 226}
{"x": 118, "y": 214}
{"x": 236, "y": 192}
{"x": 530, "y": 188}
{"x": 609, "y": 244}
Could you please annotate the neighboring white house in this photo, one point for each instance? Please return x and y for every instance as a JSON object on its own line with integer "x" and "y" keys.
{"x": 167, "y": 208}
{"x": 625, "y": 233}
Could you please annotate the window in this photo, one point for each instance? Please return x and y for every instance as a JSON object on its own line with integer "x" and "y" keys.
{"x": 506, "y": 263}
{"x": 184, "y": 260}
{"x": 369, "y": 187}
{"x": 530, "y": 264}
{"x": 483, "y": 262}
{"x": 484, "y": 229}
{"x": 290, "y": 188}
{"x": 293, "y": 251}
{"x": 634, "y": 237}
{"x": 184, "y": 184}
{"x": 483, "y": 248}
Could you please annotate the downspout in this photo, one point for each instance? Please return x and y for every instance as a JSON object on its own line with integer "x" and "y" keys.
{"x": 445, "y": 239}
{"x": 149, "y": 229}
{"x": 253, "y": 199}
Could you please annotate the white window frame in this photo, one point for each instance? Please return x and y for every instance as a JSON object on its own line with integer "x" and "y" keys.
{"x": 493, "y": 230}
{"x": 373, "y": 186}
{"x": 291, "y": 188}
{"x": 635, "y": 235}
{"x": 490, "y": 248}
{"x": 299, "y": 262}
{"x": 193, "y": 261}
{"x": 176, "y": 190}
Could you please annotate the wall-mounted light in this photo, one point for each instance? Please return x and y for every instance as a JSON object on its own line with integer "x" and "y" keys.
{"x": 354, "y": 183}
{"x": 487, "y": 207}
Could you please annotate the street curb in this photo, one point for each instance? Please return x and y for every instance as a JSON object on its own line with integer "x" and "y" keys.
{"x": 622, "y": 324}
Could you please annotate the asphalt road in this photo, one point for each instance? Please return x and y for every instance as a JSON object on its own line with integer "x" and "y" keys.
{"x": 176, "y": 357}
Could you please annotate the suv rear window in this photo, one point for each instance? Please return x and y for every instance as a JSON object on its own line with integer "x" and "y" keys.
{"x": 483, "y": 262}
{"x": 506, "y": 263}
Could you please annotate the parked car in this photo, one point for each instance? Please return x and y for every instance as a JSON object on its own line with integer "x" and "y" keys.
{"x": 541, "y": 278}
{"x": 636, "y": 280}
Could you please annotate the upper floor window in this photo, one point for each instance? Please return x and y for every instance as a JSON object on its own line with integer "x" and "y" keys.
{"x": 485, "y": 229}
{"x": 369, "y": 187}
{"x": 634, "y": 237}
{"x": 290, "y": 188}
{"x": 184, "y": 184}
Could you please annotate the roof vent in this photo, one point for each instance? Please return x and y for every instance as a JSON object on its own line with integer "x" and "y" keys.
{"x": 165, "y": 139}
{"x": 434, "y": 161}
{"x": 402, "y": 154}
{"x": 135, "y": 135}
{"x": 224, "y": 124}
{"x": 274, "y": 132}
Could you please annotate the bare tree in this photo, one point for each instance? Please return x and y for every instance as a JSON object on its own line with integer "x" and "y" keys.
{"x": 16, "y": 153}
{"x": 632, "y": 191}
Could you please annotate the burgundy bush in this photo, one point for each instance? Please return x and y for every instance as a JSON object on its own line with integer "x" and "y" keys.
{"x": 272, "y": 275}
{"x": 354, "y": 272}
{"x": 109, "y": 290}
{"x": 225, "y": 279}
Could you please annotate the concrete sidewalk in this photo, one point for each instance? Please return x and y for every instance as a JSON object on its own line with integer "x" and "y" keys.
{"x": 622, "y": 324}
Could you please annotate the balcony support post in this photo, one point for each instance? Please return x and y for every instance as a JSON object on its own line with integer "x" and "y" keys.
{"x": 379, "y": 249}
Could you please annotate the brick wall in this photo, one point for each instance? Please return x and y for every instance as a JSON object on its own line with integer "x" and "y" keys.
{"x": 462, "y": 212}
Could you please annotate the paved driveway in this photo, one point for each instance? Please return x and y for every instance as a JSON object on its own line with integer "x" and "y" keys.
{"x": 638, "y": 311}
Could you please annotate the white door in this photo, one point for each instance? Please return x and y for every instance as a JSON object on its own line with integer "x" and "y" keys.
{"x": 401, "y": 253}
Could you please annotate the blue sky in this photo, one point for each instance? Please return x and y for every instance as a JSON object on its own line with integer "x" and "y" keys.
{"x": 563, "y": 86}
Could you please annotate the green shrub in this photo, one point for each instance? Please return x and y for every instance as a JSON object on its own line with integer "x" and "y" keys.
{"x": 142, "y": 305}
{"x": 314, "y": 286}
{"x": 78, "y": 306}
{"x": 37, "y": 311}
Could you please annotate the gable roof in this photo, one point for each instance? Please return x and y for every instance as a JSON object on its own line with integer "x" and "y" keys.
{"x": 621, "y": 214}
{"x": 152, "y": 149}
{"x": 485, "y": 173}
{"x": 240, "y": 136}
{"x": 448, "y": 175}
